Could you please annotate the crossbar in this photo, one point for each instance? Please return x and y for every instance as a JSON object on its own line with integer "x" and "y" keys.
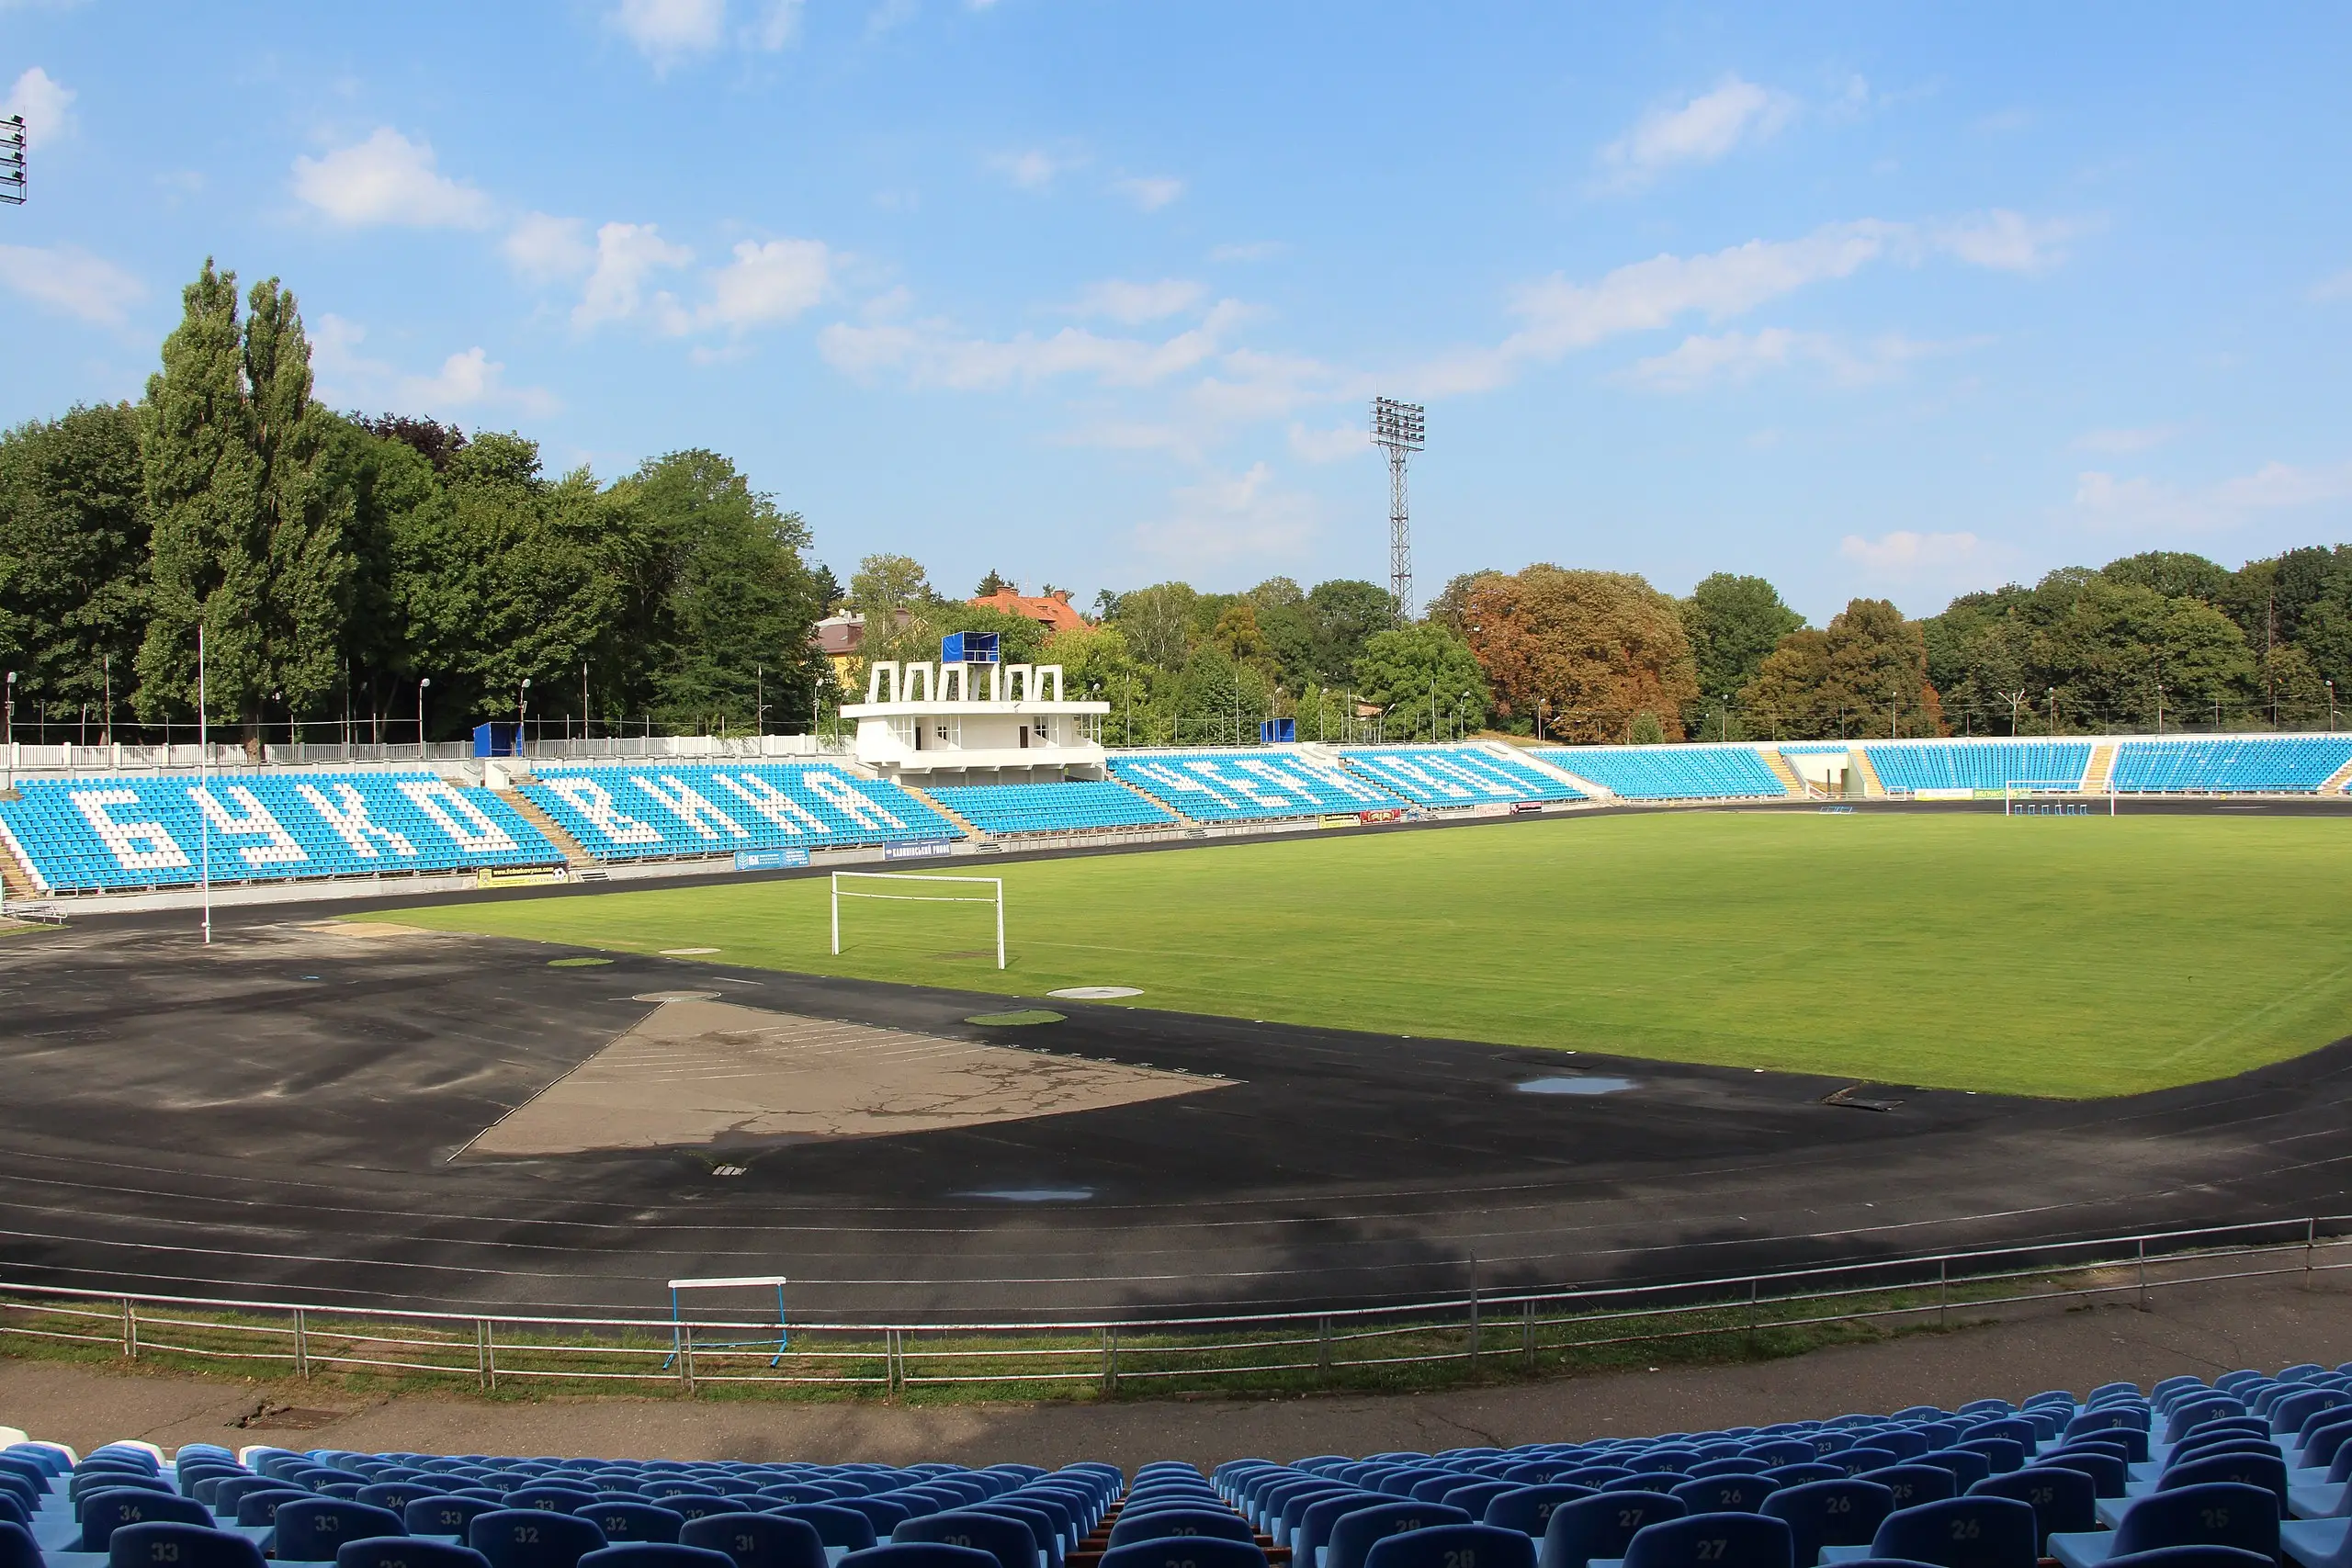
{"x": 995, "y": 882}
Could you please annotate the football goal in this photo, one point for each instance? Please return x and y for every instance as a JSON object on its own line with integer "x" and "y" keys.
{"x": 2053, "y": 797}
{"x": 919, "y": 887}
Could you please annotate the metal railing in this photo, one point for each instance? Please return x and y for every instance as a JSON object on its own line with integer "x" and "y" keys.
{"x": 1773, "y": 1313}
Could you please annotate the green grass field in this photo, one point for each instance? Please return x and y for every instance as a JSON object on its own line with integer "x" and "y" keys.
{"x": 2068, "y": 956}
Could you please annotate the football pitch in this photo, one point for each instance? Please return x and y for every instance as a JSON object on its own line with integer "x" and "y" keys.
{"x": 2055, "y": 957}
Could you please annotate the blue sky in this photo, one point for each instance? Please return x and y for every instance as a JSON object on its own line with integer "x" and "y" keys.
{"x": 1868, "y": 300}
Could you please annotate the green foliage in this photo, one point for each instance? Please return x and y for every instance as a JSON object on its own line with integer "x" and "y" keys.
{"x": 1645, "y": 730}
{"x": 1347, "y": 612}
{"x": 1866, "y": 673}
{"x": 1732, "y": 623}
{"x": 73, "y": 554}
{"x": 1424, "y": 675}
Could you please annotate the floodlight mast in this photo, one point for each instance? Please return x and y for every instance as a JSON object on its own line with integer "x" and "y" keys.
{"x": 1398, "y": 428}
{"x": 11, "y": 161}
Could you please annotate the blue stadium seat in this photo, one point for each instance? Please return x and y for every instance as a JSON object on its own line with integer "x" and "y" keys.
{"x": 655, "y": 1555}
{"x": 2222, "y": 1513}
{"x": 1736, "y": 1539}
{"x": 2062, "y": 1500}
{"x": 407, "y": 1552}
{"x": 634, "y": 1521}
{"x": 1954, "y": 1532}
{"x": 1173, "y": 1551}
{"x": 1452, "y": 1545}
{"x": 1353, "y": 1534}
{"x": 1008, "y": 1540}
{"x": 1443, "y": 776}
{"x": 533, "y": 1538}
{"x": 113, "y": 832}
{"x": 1990, "y": 765}
{"x": 1078, "y": 806}
{"x": 1153, "y": 1524}
{"x": 443, "y": 1514}
{"x": 2267, "y": 764}
{"x": 1672, "y": 772}
{"x": 1829, "y": 1513}
{"x": 1724, "y": 1494}
{"x": 1244, "y": 785}
{"x": 18, "y": 1549}
{"x": 845, "y": 1529}
{"x": 162, "y": 1544}
{"x": 107, "y": 1509}
{"x": 653, "y": 810}
{"x": 925, "y": 1555}
{"x": 1528, "y": 1509}
{"x": 312, "y": 1530}
{"x": 1601, "y": 1525}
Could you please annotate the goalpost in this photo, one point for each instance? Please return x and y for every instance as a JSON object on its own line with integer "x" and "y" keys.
{"x": 996, "y": 896}
{"x": 2017, "y": 794}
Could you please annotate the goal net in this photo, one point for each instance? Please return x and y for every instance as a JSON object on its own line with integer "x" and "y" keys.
{"x": 919, "y": 887}
{"x": 2053, "y": 797}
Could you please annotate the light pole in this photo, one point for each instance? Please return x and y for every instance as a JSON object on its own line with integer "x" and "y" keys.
{"x": 2053, "y": 710}
{"x": 2330, "y": 707}
{"x": 106, "y": 673}
{"x": 8, "y": 737}
{"x": 204, "y": 775}
{"x": 421, "y": 681}
{"x": 2160, "y": 710}
{"x": 522, "y": 718}
{"x": 583, "y": 707}
{"x": 760, "y": 699}
{"x": 1723, "y": 718}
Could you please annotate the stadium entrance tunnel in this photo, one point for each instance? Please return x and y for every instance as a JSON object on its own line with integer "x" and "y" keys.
{"x": 705, "y": 1071}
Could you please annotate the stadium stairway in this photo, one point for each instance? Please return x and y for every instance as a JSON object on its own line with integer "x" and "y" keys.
{"x": 1867, "y": 775}
{"x": 2102, "y": 764}
{"x": 1782, "y": 771}
{"x": 14, "y": 878}
{"x": 582, "y": 863}
{"x": 2336, "y": 782}
{"x": 970, "y": 830}
{"x": 1538, "y": 759}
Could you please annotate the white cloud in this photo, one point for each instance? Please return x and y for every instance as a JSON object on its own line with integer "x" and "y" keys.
{"x": 887, "y": 17}
{"x": 468, "y": 378}
{"x": 46, "y": 104}
{"x": 2127, "y": 440}
{"x": 932, "y": 354}
{"x": 2007, "y": 241}
{"x": 388, "y": 179}
{"x": 666, "y": 31}
{"x": 2108, "y": 504}
{"x": 2339, "y": 287}
{"x": 544, "y": 249}
{"x": 1251, "y": 386}
{"x": 1903, "y": 553}
{"x": 1034, "y": 168}
{"x": 1700, "y": 131}
{"x": 1135, "y": 303}
{"x": 777, "y": 27}
{"x": 627, "y": 255}
{"x": 770, "y": 282}
{"x": 1333, "y": 445}
{"x": 1700, "y": 360}
{"x": 1222, "y": 518}
{"x": 72, "y": 281}
{"x": 1150, "y": 193}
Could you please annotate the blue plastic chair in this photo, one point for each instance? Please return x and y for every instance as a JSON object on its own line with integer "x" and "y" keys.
{"x": 919, "y": 1554}
{"x": 847, "y": 1529}
{"x": 552, "y": 1499}
{"x": 1177, "y": 1551}
{"x": 1602, "y": 1525}
{"x": 1914, "y": 1484}
{"x": 1528, "y": 1509}
{"x": 175, "y": 1544}
{"x": 1958, "y": 1532}
{"x": 532, "y": 1537}
{"x": 1155, "y": 1524}
{"x": 635, "y": 1523}
{"x": 1354, "y": 1532}
{"x": 654, "y": 1554}
{"x": 2061, "y": 1499}
{"x": 1008, "y": 1540}
{"x": 2220, "y": 1514}
{"x": 314, "y": 1529}
{"x": 406, "y": 1551}
{"x": 1845, "y": 1512}
{"x": 2110, "y": 1475}
{"x": 1724, "y": 1493}
{"x": 108, "y": 1509}
{"x": 1452, "y": 1545}
{"x": 1735, "y": 1539}
{"x": 1967, "y": 1466}
{"x": 444, "y": 1515}
{"x": 757, "y": 1540}
{"x": 2192, "y": 1557}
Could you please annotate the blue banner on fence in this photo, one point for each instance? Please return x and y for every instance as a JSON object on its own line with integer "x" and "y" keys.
{"x": 917, "y": 851}
{"x": 770, "y": 860}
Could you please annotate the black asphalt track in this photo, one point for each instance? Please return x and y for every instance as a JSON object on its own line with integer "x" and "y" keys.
{"x": 274, "y": 1118}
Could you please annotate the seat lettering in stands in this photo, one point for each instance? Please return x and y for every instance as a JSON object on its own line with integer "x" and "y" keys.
{"x": 1273, "y": 798}
{"x": 592, "y": 801}
{"x": 844, "y": 795}
{"x": 123, "y": 839}
{"x": 772, "y": 802}
{"x": 1184, "y": 784}
{"x": 681, "y": 800}
{"x": 350, "y": 822}
{"x": 438, "y": 801}
{"x": 281, "y": 849}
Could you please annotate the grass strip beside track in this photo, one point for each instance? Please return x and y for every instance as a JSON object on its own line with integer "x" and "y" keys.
{"x": 2057, "y": 956}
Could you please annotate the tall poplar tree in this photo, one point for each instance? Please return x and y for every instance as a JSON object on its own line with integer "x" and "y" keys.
{"x": 248, "y": 535}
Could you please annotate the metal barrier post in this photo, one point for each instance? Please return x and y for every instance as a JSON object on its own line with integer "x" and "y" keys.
{"x": 1323, "y": 1343}
{"x": 1943, "y": 1292}
{"x": 130, "y": 1329}
{"x": 1752, "y": 1283}
{"x": 686, "y": 1356}
{"x": 1109, "y": 1360}
{"x": 1474, "y": 1308}
{"x": 481, "y": 1353}
{"x": 1527, "y": 1329}
{"x": 301, "y": 1344}
{"x": 2140, "y": 1251}
{"x": 2311, "y": 1240}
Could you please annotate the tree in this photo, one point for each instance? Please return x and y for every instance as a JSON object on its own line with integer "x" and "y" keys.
{"x": 1595, "y": 647}
{"x": 2117, "y": 642}
{"x": 990, "y": 585}
{"x": 73, "y": 556}
{"x": 886, "y": 583}
{"x": 247, "y": 541}
{"x": 1452, "y": 600}
{"x": 1732, "y": 623}
{"x": 1866, "y": 673}
{"x": 1288, "y": 626}
{"x": 1424, "y": 675}
{"x": 1158, "y": 622}
{"x": 1346, "y": 611}
{"x": 1237, "y": 637}
{"x": 2175, "y": 574}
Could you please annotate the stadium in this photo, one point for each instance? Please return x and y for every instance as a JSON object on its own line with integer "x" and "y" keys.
{"x": 571, "y": 998}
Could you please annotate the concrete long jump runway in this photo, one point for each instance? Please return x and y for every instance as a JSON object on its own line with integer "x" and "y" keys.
{"x": 371, "y": 1118}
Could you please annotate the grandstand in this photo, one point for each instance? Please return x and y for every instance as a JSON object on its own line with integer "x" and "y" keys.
{"x": 112, "y": 833}
{"x": 1078, "y": 806}
{"x": 1267, "y": 784}
{"x": 2251, "y": 1467}
{"x": 1441, "y": 776}
{"x": 2263, "y": 764}
{"x": 1671, "y": 772}
{"x": 1991, "y": 765}
{"x": 639, "y": 811}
